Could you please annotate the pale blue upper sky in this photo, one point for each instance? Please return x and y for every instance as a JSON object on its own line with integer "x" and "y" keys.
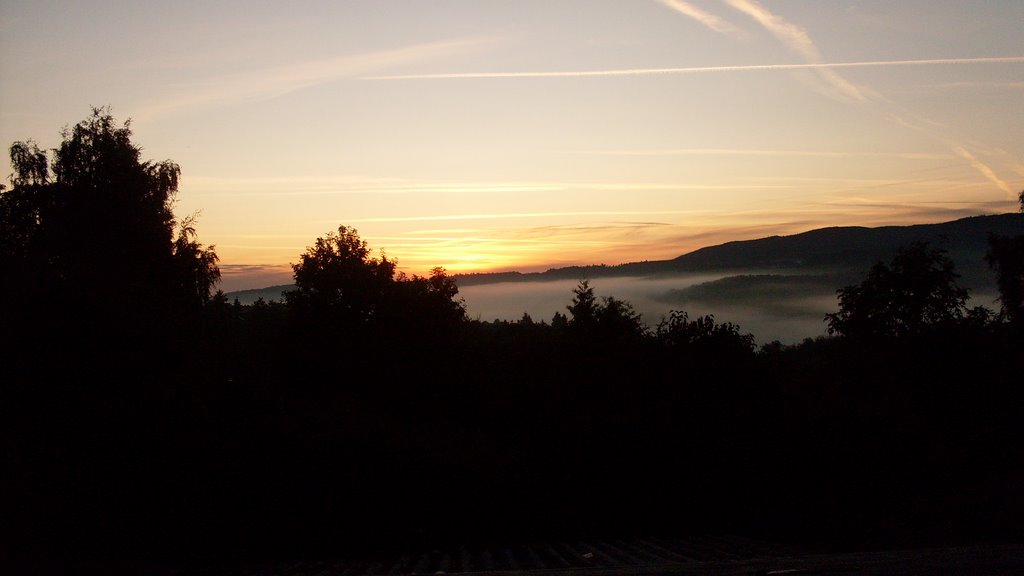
{"x": 494, "y": 135}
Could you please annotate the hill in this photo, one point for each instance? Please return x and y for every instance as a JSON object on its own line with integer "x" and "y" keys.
{"x": 844, "y": 251}
{"x": 268, "y": 294}
{"x": 777, "y": 273}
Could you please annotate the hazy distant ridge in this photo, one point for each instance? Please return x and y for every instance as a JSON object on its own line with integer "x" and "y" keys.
{"x": 848, "y": 250}
{"x": 834, "y": 248}
{"x": 270, "y": 293}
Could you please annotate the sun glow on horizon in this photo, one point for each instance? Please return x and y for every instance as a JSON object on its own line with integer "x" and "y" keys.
{"x": 482, "y": 137}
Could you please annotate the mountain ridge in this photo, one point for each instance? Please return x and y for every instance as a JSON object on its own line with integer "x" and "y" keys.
{"x": 847, "y": 250}
{"x": 834, "y": 248}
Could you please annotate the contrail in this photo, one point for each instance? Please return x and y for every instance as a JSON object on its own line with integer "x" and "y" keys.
{"x": 797, "y": 40}
{"x": 706, "y": 18}
{"x": 985, "y": 169}
{"x": 701, "y": 69}
{"x": 793, "y": 36}
{"x": 756, "y": 152}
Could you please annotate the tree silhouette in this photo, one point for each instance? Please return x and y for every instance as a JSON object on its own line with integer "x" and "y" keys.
{"x": 431, "y": 302}
{"x": 1006, "y": 257}
{"x": 338, "y": 282}
{"x": 196, "y": 267}
{"x": 103, "y": 298}
{"x": 31, "y": 166}
{"x": 584, "y": 308}
{"x": 679, "y": 332}
{"x": 609, "y": 319}
{"x": 617, "y": 319}
{"x": 559, "y": 321}
{"x": 916, "y": 291}
{"x": 338, "y": 276}
{"x": 88, "y": 239}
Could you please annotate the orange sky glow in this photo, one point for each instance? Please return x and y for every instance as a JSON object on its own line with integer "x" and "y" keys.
{"x": 485, "y": 136}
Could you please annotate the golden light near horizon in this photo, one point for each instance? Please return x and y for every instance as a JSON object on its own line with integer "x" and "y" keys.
{"x": 484, "y": 137}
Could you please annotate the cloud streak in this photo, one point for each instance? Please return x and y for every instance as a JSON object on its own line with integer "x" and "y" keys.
{"x": 794, "y": 37}
{"x": 700, "y": 69}
{"x": 798, "y": 41}
{"x": 706, "y": 18}
{"x": 754, "y": 152}
{"x": 312, "y": 186}
{"x": 306, "y": 186}
{"x": 274, "y": 82}
{"x": 506, "y": 215}
{"x": 996, "y": 85}
{"x": 983, "y": 168}
{"x": 961, "y": 150}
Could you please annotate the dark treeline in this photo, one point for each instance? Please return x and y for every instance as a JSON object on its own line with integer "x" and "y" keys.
{"x": 145, "y": 417}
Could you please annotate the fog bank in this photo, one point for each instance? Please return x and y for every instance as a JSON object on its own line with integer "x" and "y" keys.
{"x": 788, "y": 319}
{"x": 771, "y": 307}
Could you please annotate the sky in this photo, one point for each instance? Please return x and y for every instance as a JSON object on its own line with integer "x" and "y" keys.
{"x": 480, "y": 135}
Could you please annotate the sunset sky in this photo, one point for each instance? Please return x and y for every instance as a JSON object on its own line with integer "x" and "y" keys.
{"x": 483, "y": 135}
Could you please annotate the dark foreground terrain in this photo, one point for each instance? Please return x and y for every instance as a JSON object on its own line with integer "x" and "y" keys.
{"x": 147, "y": 422}
{"x": 712, "y": 556}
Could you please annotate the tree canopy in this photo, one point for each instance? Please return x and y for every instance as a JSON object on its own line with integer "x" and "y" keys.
{"x": 92, "y": 250}
{"x": 1006, "y": 258}
{"x": 915, "y": 291}
{"x": 703, "y": 334}
{"x": 98, "y": 206}
{"x": 338, "y": 274}
{"x": 339, "y": 282}
{"x": 608, "y": 318}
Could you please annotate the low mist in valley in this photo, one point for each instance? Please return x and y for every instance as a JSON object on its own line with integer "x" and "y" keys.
{"x": 788, "y": 319}
{"x": 776, "y": 288}
{"x": 783, "y": 307}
